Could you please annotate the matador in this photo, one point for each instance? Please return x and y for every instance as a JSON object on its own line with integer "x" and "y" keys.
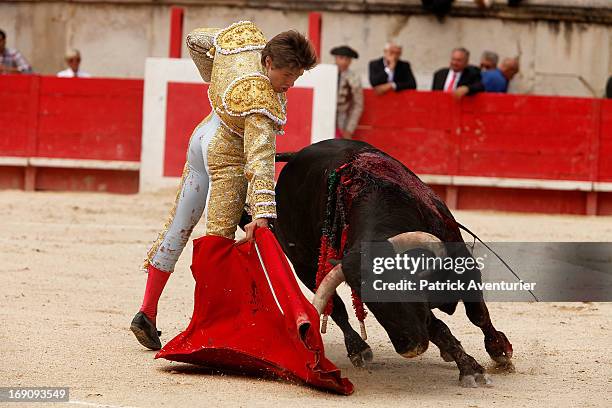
{"x": 230, "y": 158}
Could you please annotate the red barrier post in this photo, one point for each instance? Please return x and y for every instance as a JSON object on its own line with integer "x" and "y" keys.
{"x": 176, "y": 32}
{"x": 314, "y": 31}
{"x": 29, "y": 180}
{"x": 592, "y": 197}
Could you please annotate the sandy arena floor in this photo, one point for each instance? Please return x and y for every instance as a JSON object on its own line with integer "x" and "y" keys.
{"x": 71, "y": 284}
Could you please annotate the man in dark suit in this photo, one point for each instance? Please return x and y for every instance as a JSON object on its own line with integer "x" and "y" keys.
{"x": 460, "y": 78}
{"x": 389, "y": 73}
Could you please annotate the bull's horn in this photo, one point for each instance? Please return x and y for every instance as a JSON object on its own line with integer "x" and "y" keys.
{"x": 417, "y": 239}
{"x": 327, "y": 288}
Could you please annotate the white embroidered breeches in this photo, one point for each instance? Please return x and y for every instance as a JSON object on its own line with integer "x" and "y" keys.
{"x": 213, "y": 184}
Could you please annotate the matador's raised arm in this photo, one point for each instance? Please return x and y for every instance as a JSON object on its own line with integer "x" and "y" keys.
{"x": 200, "y": 43}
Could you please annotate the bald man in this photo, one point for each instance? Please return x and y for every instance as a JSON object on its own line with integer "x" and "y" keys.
{"x": 497, "y": 80}
{"x": 389, "y": 73}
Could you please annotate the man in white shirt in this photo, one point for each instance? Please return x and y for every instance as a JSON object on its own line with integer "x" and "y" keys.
{"x": 389, "y": 73}
{"x": 459, "y": 78}
{"x": 73, "y": 60}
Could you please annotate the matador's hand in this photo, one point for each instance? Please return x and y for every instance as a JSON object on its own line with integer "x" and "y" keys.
{"x": 250, "y": 228}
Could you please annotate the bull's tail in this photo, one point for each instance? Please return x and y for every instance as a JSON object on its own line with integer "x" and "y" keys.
{"x": 284, "y": 157}
{"x": 476, "y": 237}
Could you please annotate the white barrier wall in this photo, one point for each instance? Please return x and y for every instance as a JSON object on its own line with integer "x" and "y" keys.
{"x": 160, "y": 71}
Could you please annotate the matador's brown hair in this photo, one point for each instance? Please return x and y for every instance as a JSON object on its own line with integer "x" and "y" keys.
{"x": 290, "y": 49}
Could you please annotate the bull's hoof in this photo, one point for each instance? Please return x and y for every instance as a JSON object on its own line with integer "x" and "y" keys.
{"x": 417, "y": 351}
{"x": 503, "y": 360}
{"x": 357, "y": 350}
{"x": 446, "y": 356}
{"x": 475, "y": 380}
{"x": 363, "y": 358}
{"x": 499, "y": 348}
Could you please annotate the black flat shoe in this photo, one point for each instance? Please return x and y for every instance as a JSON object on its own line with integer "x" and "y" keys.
{"x": 145, "y": 331}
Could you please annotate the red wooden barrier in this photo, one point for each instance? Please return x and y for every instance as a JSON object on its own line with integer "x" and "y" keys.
{"x": 487, "y": 142}
{"x": 417, "y": 128}
{"x": 18, "y": 99}
{"x": 527, "y": 137}
{"x": 604, "y": 153}
{"x": 91, "y": 126}
{"x": 505, "y": 152}
{"x": 188, "y": 105}
{"x": 90, "y": 119}
{"x": 488, "y": 135}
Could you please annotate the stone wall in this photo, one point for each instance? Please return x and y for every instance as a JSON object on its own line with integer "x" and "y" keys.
{"x": 565, "y": 46}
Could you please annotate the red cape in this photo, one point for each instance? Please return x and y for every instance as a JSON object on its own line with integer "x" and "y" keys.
{"x": 237, "y": 324}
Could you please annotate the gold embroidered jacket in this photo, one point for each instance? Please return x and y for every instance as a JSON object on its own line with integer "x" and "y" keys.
{"x": 243, "y": 98}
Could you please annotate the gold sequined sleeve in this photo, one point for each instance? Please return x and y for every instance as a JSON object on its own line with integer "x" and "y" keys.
{"x": 200, "y": 43}
{"x": 259, "y": 151}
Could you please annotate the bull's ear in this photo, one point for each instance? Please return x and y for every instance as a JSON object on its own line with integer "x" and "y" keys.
{"x": 334, "y": 262}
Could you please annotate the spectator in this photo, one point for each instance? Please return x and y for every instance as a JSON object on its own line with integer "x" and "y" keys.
{"x": 390, "y": 73}
{"x": 73, "y": 60}
{"x": 609, "y": 88}
{"x": 461, "y": 79}
{"x": 488, "y": 60}
{"x": 11, "y": 60}
{"x": 350, "y": 95}
{"x": 497, "y": 80}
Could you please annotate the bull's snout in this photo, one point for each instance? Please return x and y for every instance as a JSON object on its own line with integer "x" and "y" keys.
{"x": 406, "y": 326}
{"x": 408, "y": 336}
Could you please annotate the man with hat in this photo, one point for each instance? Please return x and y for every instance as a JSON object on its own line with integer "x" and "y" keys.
{"x": 350, "y": 94}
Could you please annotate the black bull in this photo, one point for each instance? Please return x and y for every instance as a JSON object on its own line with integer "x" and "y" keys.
{"x": 376, "y": 215}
